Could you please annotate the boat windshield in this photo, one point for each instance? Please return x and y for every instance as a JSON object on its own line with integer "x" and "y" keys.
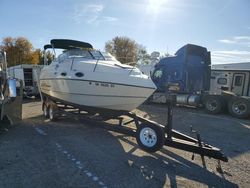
{"x": 108, "y": 56}
{"x": 92, "y": 54}
{"x": 78, "y": 53}
{"x": 96, "y": 54}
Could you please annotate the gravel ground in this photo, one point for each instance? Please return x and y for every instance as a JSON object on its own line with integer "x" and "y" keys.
{"x": 75, "y": 152}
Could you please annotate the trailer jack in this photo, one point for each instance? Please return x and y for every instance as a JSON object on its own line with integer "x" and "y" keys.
{"x": 200, "y": 145}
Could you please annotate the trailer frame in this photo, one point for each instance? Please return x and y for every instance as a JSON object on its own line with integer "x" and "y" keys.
{"x": 161, "y": 135}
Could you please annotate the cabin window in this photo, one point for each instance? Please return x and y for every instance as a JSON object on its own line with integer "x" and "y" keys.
{"x": 63, "y": 74}
{"x": 79, "y": 74}
{"x": 222, "y": 81}
{"x": 238, "y": 81}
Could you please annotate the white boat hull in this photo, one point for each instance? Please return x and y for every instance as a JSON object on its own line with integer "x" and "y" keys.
{"x": 95, "y": 94}
{"x": 85, "y": 78}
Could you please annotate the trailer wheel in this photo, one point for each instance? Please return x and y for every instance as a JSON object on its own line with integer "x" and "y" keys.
{"x": 239, "y": 107}
{"x": 213, "y": 104}
{"x": 45, "y": 110}
{"x": 52, "y": 113}
{"x": 150, "y": 137}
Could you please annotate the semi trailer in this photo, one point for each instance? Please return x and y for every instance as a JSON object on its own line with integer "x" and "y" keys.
{"x": 218, "y": 88}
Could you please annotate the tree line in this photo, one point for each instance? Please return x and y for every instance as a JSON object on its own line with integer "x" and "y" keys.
{"x": 21, "y": 51}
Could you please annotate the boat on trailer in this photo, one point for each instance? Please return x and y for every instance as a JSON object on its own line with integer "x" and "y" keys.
{"x": 91, "y": 80}
{"x": 84, "y": 81}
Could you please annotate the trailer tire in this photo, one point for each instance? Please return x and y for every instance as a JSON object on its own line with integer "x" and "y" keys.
{"x": 213, "y": 104}
{"x": 239, "y": 107}
{"x": 45, "y": 110}
{"x": 150, "y": 137}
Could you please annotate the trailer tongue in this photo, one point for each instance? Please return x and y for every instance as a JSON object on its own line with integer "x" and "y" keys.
{"x": 151, "y": 136}
{"x": 173, "y": 138}
{"x": 181, "y": 141}
{"x": 166, "y": 135}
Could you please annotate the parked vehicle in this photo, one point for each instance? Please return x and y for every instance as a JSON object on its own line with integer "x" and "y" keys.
{"x": 189, "y": 72}
{"x": 10, "y": 95}
{"x": 29, "y": 74}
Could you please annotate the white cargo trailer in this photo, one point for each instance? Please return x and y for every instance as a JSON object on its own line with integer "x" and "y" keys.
{"x": 29, "y": 74}
{"x": 229, "y": 89}
{"x": 231, "y": 77}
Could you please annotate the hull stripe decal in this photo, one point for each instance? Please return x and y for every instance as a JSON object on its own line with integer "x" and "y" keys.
{"x": 96, "y": 95}
{"x": 96, "y": 81}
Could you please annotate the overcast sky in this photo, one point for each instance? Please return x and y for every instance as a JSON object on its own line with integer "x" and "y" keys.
{"x": 222, "y": 26}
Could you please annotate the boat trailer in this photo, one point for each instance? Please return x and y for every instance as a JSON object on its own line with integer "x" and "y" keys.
{"x": 150, "y": 135}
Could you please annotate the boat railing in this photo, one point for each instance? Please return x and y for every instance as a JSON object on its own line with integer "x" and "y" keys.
{"x": 96, "y": 64}
{"x": 131, "y": 70}
{"x": 72, "y": 63}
